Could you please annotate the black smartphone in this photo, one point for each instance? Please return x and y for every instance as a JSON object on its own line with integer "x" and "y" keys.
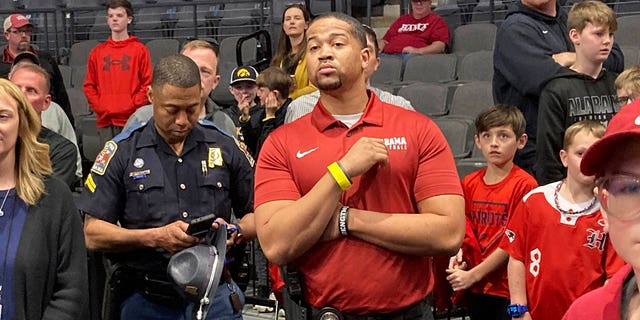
{"x": 199, "y": 227}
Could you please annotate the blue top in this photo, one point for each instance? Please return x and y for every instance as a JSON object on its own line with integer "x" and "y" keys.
{"x": 11, "y": 224}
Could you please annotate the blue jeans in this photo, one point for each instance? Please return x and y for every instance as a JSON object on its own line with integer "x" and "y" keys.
{"x": 136, "y": 307}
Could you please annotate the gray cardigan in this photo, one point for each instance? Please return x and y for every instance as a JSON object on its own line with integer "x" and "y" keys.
{"x": 50, "y": 273}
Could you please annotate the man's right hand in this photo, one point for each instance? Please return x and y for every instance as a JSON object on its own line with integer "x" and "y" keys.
{"x": 173, "y": 237}
{"x": 244, "y": 105}
{"x": 365, "y": 153}
{"x": 565, "y": 59}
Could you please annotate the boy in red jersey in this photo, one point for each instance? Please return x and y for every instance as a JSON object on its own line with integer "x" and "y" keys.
{"x": 556, "y": 240}
{"x": 491, "y": 194}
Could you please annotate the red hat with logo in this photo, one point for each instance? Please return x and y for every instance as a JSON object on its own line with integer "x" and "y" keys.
{"x": 623, "y": 126}
{"x": 17, "y": 21}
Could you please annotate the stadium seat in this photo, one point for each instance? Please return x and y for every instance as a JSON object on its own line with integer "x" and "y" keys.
{"x": 78, "y": 75}
{"x": 430, "y": 68}
{"x": 470, "y": 165}
{"x": 159, "y": 48}
{"x": 388, "y": 70}
{"x": 459, "y": 135}
{"x": 90, "y": 139}
{"x": 427, "y": 98}
{"x": 627, "y": 33}
{"x": 476, "y": 66}
{"x": 470, "y": 98}
{"x": 221, "y": 94}
{"x": 474, "y": 37}
{"x": 450, "y": 12}
{"x": 79, "y": 105}
{"x": 631, "y": 55}
{"x": 66, "y": 72}
{"x": 228, "y": 49}
{"x": 79, "y": 52}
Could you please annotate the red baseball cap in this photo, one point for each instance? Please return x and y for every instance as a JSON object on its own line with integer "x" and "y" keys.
{"x": 17, "y": 21}
{"x": 623, "y": 126}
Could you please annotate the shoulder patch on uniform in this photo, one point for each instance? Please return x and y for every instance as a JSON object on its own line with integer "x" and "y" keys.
{"x": 243, "y": 148}
{"x": 104, "y": 157}
{"x": 510, "y": 235}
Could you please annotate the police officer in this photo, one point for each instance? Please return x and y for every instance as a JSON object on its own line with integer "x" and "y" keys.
{"x": 149, "y": 182}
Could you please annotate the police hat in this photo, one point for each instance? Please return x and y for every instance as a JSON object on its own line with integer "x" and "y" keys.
{"x": 196, "y": 271}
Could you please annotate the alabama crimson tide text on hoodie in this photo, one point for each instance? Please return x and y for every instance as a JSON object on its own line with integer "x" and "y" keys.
{"x": 118, "y": 74}
{"x": 566, "y": 99}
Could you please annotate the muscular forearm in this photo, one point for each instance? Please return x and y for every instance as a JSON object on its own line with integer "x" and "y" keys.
{"x": 248, "y": 226}
{"x": 102, "y": 235}
{"x": 426, "y": 233}
{"x": 517, "y": 284}
{"x": 287, "y": 229}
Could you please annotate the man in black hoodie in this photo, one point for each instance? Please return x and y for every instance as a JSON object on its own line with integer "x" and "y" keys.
{"x": 585, "y": 91}
{"x": 532, "y": 45}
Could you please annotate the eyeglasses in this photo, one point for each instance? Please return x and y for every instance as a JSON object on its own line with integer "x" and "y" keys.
{"x": 620, "y": 196}
{"x": 26, "y": 32}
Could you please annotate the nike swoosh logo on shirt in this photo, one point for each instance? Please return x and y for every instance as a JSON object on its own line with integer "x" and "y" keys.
{"x": 300, "y": 155}
{"x": 545, "y": 31}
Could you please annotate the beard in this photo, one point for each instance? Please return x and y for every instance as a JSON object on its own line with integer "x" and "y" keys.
{"x": 23, "y": 46}
{"x": 330, "y": 84}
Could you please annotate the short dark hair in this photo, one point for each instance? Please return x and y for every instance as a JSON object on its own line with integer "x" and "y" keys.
{"x": 501, "y": 115}
{"x": 357, "y": 31}
{"x": 275, "y": 78}
{"x": 112, "y": 4}
{"x": 371, "y": 34}
{"x": 176, "y": 70}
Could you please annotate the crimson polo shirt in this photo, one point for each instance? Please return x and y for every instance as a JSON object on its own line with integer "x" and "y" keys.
{"x": 350, "y": 274}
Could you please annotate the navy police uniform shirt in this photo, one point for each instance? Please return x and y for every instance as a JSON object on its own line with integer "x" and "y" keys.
{"x": 139, "y": 182}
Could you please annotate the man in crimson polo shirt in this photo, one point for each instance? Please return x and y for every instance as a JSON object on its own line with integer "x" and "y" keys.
{"x": 404, "y": 204}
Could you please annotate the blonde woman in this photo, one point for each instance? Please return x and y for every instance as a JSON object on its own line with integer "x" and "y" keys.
{"x": 43, "y": 269}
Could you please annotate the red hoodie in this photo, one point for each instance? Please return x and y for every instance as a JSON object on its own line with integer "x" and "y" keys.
{"x": 602, "y": 303}
{"x": 118, "y": 74}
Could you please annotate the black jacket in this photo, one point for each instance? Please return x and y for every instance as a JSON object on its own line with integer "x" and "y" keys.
{"x": 523, "y": 63}
{"x": 566, "y": 99}
{"x": 256, "y": 131}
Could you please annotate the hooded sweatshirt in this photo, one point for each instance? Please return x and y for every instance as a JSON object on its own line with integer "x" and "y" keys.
{"x": 566, "y": 99}
{"x": 118, "y": 74}
{"x": 523, "y": 63}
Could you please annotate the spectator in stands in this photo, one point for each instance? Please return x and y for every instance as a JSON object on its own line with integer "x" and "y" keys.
{"x": 304, "y": 104}
{"x": 584, "y": 91}
{"x": 273, "y": 89}
{"x": 292, "y": 44}
{"x": 244, "y": 90}
{"x": 532, "y": 44}
{"x": 17, "y": 31}
{"x": 491, "y": 195}
{"x": 205, "y": 55}
{"x": 370, "y": 245}
{"x": 53, "y": 117}
{"x": 118, "y": 73}
{"x": 418, "y": 32}
{"x": 44, "y": 257}
{"x": 33, "y": 80}
{"x": 628, "y": 85}
{"x": 615, "y": 161}
{"x": 555, "y": 226}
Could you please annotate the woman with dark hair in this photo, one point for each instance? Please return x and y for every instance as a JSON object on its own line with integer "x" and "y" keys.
{"x": 42, "y": 251}
{"x": 292, "y": 45}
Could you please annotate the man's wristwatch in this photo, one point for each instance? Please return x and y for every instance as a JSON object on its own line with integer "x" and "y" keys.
{"x": 517, "y": 310}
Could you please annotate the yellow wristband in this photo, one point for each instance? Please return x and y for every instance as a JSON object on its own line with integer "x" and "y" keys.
{"x": 336, "y": 171}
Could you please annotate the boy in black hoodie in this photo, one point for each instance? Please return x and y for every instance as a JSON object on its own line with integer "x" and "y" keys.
{"x": 532, "y": 45}
{"x": 583, "y": 91}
